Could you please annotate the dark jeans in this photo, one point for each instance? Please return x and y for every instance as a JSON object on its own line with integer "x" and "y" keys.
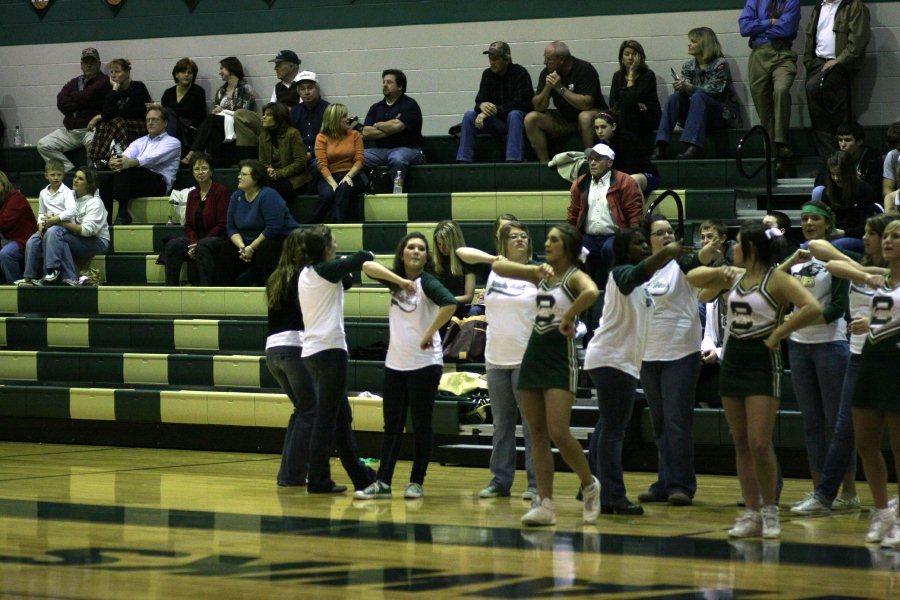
{"x": 697, "y": 112}
{"x": 670, "y": 386}
{"x": 600, "y": 258}
{"x": 343, "y": 199}
{"x": 285, "y": 189}
{"x": 328, "y": 371}
{"x": 615, "y": 400}
{"x": 287, "y": 368}
{"x": 408, "y": 391}
{"x": 205, "y": 257}
{"x": 136, "y": 182}
{"x": 841, "y": 457}
{"x": 828, "y": 98}
{"x": 265, "y": 258}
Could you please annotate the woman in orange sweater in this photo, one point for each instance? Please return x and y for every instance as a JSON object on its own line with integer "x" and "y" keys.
{"x": 339, "y": 154}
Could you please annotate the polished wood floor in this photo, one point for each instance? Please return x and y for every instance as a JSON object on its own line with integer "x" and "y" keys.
{"x": 101, "y": 522}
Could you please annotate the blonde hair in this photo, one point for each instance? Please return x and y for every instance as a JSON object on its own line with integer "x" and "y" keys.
{"x": 451, "y": 237}
{"x": 710, "y": 49}
{"x": 5, "y": 186}
{"x": 889, "y": 229}
{"x": 331, "y": 120}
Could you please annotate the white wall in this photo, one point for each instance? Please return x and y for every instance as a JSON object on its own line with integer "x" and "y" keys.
{"x": 443, "y": 62}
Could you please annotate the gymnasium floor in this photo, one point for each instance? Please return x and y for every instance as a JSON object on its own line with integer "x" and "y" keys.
{"x": 102, "y": 522}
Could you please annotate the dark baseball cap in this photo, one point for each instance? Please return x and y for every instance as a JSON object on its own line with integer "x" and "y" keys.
{"x": 499, "y": 49}
{"x": 286, "y": 56}
{"x": 90, "y": 53}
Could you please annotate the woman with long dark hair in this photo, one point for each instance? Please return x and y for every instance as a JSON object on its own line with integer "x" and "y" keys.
{"x": 851, "y": 199}
{"x": 420, "y": 306}
{"x": 282, "y": 152}
{"x": 633, "y": 92}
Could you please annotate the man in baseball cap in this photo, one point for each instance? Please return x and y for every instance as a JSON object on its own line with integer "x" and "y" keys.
{"x": 307, "y": 116}
{"x": 247, "y": 123}
{"x": 503, "y": 99}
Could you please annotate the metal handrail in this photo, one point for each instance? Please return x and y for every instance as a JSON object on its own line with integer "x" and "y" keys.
{"x": 767, "y": 146}
{"x": 679, "y": 204}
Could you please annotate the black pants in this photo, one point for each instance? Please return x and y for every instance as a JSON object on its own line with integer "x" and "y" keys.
{"x": 205, "y": 258}
{"x": 343, "y": 199}
{"x": 828, "y": 98}
{"x": 137, "y": 182}
{"x": 210, "y": 136}
{"x": 284, "y": 188}
{"x": 408, "y": 391}
{"x": 265, "y": 258}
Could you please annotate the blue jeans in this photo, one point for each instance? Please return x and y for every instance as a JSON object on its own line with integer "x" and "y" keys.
{"x": 342, "y": 199}
{"x": 599, "y": 260}
{"x": 670, "y": 386}
{"x": 397, "y": 159}
{"x": 328, "y": 370}
{"x": 505, "y": 411}
{"x": 817, "y": 372}
{"x": 696, "y": 112}
{"x": 10, "y": 262}
{"x": 841, "y": 457}
{"x": 59, "y": 248}
{"x": 615, "y": 400}
{"x": 287, "y": 368}
{"x": 513, "y": 127}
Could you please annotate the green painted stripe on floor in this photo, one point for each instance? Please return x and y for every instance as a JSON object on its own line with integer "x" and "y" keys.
{"x": 140, "y": 406}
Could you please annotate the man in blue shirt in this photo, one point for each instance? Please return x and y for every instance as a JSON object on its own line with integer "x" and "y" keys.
{"x": 306, "y": 117}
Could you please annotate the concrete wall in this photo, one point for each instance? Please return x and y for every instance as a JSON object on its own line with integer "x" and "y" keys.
{"x": 443, "y": 62}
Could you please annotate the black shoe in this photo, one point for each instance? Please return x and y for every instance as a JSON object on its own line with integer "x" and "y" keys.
{"x": 650, "y": 496}
{"x": 692, "y": 152}
{"x": 123, "y": 219}
{"x": 784, "y": 152}
{"x": 333, "y": 489}
{"x": 659, "y": 152}
{"x": 53, "y": 277}
{"x": 628, "y": 508}
{"x": 680, "y": 499}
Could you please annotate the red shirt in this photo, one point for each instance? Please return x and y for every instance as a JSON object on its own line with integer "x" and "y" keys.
{"x": 17, "y": 220}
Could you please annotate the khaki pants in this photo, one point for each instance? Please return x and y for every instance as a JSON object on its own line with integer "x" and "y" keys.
{"x": 771, "y": 74}
{"x": 247, "y": 125}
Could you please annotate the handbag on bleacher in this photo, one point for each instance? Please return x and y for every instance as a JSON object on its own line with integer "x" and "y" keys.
{"x": 465, "y": 339}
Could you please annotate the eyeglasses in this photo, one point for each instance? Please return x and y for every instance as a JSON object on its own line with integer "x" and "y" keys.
{"x": 663, "y": 233}
{"x": 202, "y": 169}
{"x": 518, "y": 236}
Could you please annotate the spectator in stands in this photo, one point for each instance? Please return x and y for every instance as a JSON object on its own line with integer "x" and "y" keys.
{"x": 453, "y": 273}
{"x": 851, "y": 199}
{"x": 56, "y": 203}
{"x": 868, "y": 161}
{"x": 247, "y": 122}
{"x": 233, "y": 95}
{"x": 613, "y": 359}
{"x": 307, "y": 117}
{"x": 603, "y": 202}
{"x": 548, "y": 374}
{"x": 122, "y": 119}
{"x": 321, "y": 285}
{"x": 339, "y": 156}
{"x": 751, "y": 365}
{"x": 395, "y": 126}
{"x": 205, "y": 222}
{"x": 772, "y": 28}
{"x": 704, "y": 97}
{"x": 284, "y": 347}
{"x": 632, "y": 156}
{"x": 50, "y": 258}
{"x": 782, "y": 222}
{"x": 147, "y": 167}
{"x": 713, "y": 312}
{"x": 891, "y": 169}
{"x": 185, "y": 103}
{"x": 836, "y": 38}
{"x": 672, "y": 364}
{"x": 17, "y": 225}
{"x": 282, "y": 152}
{"x": 510, "y": 308}
{"x": 503, "y": 98}
{"x": 633, "y": 97}
{"x": 841, "y": 456}
{"x": 419, "y": 307}
{"x": 80, "y": 100}
{"x": 258, "y": 221}
{"x": 574, "y": 87}
{"x": 819, "y": 353}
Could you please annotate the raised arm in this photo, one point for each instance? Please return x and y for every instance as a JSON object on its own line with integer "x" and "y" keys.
{"x": 788, "y": 290}
{"x": 378, "y": 271}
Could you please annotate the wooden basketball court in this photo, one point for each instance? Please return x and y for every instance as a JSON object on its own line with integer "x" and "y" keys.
{"x": 105, "y": 522}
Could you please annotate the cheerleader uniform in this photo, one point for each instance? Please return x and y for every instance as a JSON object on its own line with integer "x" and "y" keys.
{"x": 878, "y": 387}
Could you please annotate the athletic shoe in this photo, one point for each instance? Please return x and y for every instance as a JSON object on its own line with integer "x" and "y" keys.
{"x": 846, "y": 503}
{"x": 530, "y": 493}
{"x": 650, "y": 496}
{"x": 71, "y": 282}
{"x": 492, "y": 491}
{"x": 375, "y": 491}
{"x": 413, "y": 491}
{"x": 892, "y": 539}
{"x": 25, "y": 281}
{"x": 52, "y": 277}
{"x": 747, "y": 525}
{"x": 893, "y": 503}
{"x": 805, "y": 497}
{"x": 680, "y": 499}
{"x": 880, "y": 523}
{"x": 591, "y": 499}
{"x": 541, "y": 513}
{"x": 771, "y": 529}
{"x": 810, "y": 506}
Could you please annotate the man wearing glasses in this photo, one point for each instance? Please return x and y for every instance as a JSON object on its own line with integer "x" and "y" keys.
{"x": 147, "y": 167}
{"x": 603, "y": 202}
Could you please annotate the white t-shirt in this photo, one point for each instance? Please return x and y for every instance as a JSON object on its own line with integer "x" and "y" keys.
{"x": 675, "y": 328}
{"x": 814, "y": 276}
{"x": 826, "y": 45}
{"x": 510, "y": 309}
{"x": 599, "y": 217}
{"x": 409, "y": 317}
{"x": 860, "y": 306}
{"x": 61, "y": 203}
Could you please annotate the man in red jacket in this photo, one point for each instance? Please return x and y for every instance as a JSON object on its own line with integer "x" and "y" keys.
{"x": 602, "y": 203}
{"x": 79, "y": 101}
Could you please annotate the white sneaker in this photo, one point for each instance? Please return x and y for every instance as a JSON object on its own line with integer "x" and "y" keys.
{"x": 805, "y": 497}
{"x": 893, "y": 503}
{"x": 376, "y": 491}
{"x": 748, "y": 524}
{"x": 846, "y": 503}
{"x": 810, "y": 506}
{"x": 771, "y": 528}
{"x": 530, "y": 493}
{"x": 541, "y": 513}
{"x": 892, "y": 539}
{"x": 413, "y": 491}
{"x": 591, "y": 500}
{"x": 880, "y": 524}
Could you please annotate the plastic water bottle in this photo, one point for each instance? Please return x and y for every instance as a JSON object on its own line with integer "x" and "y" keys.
{"x": 398, "y": 183}
{"x": 17, "y": 137}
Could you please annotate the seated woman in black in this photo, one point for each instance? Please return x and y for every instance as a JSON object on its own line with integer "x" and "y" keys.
{"x": 633, "y": 93}
{"x": 122, "y": 119}
{"x": 631, "y": 155}
{"x": 185, "y": 103}
{"x": 851, "y": 199}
